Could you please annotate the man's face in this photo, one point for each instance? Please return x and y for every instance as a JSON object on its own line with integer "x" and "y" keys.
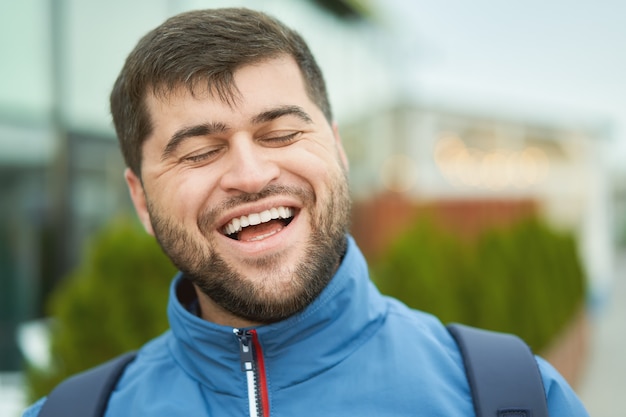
{"x": 249, "y": 200}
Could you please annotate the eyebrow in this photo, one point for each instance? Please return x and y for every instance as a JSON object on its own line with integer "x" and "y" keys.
{"x": 275, "y": 113}
{"x": 206, "y": 129}
{"x": 189, "y": 132}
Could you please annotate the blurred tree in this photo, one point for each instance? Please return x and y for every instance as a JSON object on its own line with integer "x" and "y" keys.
{"x": 113, "y": 302}
{"x": 525, "y": 279}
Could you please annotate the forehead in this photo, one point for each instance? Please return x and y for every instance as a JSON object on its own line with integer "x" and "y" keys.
{"x": 269, "y": 82}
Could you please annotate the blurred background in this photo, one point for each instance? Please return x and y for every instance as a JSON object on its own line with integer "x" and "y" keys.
{"x": 481, "y": 114}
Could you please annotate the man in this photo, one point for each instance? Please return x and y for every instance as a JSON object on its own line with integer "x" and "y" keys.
{"x": 236, "y": 167}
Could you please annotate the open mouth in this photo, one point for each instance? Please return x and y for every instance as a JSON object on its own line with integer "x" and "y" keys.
{"x": 258, "y": 226}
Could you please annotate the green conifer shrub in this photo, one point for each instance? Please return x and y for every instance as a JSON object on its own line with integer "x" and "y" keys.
{"x": 525, "y": 279}
{"x": 113, "y": 302}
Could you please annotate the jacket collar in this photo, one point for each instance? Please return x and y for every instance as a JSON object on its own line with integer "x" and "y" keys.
{"x": 348, "y": 311}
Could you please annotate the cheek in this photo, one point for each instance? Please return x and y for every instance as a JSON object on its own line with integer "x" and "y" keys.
{"x": 315, "y": 162}
{"x": 182, "y": 196}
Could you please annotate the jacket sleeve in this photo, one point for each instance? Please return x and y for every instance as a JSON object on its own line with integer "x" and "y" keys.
{"x": 33, "y": 410}
{"x": 562, "y": 400}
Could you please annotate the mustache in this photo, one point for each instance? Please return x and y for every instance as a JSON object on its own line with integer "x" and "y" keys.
{"x": 209, "y": 217}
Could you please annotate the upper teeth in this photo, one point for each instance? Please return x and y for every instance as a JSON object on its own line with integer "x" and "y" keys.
{"x": 238, "y": 223}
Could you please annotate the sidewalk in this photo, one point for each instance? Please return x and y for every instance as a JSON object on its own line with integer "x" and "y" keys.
{"x": 604, "y": 385}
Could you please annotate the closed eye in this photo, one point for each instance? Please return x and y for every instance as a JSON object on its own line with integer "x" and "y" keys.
{"x": 201, "y": 157}
{"x": 281, "y": 140}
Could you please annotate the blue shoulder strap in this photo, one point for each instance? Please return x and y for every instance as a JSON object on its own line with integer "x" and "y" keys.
{"x": 502, "y": 372}
{"x": 86, "y": 394}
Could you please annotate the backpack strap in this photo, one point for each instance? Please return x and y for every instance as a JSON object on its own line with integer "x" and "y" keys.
{"x": 502, "y": 372}
{"x": 86, "y": 394}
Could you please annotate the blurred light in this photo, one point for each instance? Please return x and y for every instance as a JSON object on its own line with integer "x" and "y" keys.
{"x": 398, "y": 173}
{"x": 534, "y": 165}
{"x": 451, "y": 156}
{"x": 34, "y": 341}
{"x": 495, "y": 170}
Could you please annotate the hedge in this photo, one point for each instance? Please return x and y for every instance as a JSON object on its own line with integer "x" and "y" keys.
{"x": 526, "y": 279}
{"x": 113, "y": 302}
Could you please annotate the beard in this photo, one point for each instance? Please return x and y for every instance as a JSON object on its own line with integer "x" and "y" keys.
{"x": 277, "y": 291}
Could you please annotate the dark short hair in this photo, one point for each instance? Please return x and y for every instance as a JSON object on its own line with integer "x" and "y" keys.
{"x": 202, "y": 46}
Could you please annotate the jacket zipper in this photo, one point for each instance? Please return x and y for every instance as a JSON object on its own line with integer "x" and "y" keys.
{"x": 253, "y": 364}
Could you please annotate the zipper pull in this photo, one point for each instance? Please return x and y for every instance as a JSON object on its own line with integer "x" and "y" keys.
{"x": 245, "y": 349}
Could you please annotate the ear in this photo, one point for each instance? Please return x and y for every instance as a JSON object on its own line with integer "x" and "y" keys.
{"x": 340, "y": 150}
{"x": 138, "y": 195}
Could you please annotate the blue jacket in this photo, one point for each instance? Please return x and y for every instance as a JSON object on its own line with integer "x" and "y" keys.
{"x": 351, "y": 352}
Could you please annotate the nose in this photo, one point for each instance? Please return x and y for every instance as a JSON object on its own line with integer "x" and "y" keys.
{"x": 250, "y": 167}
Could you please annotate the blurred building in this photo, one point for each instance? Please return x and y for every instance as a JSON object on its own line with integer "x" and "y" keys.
{"x": 60, "y": 167}
{"x": 619, "y": 198}
{"x": 44, "y": 223}
{"x": 484, "y": 168}
{"x": 61, "y": 172}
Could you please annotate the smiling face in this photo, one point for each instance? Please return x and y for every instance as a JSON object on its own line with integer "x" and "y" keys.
{"x": 249, "y": 200}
